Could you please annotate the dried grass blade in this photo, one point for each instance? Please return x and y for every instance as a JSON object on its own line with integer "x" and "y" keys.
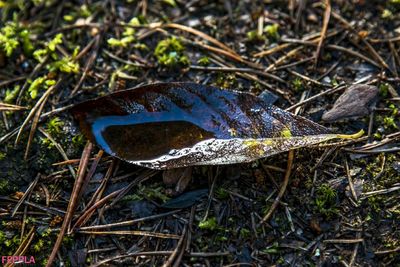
{"x": 283, "y": 187}
{"x": 33, "y": 128}
{"x": 22, "y": 199}
{"x": 10, "y": 107}
{"x": 178, "y": 246}
{"x": 35, "y": 109}
{"x": 200, "y": 34}
{"x": 59, "y": 148}
{"x": 139, "y": 233}
{"x": 324, "y": 29}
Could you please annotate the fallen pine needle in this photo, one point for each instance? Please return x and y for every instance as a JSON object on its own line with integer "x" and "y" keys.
{"x": 140, "y": 233}
{"x": 283, "y": 188}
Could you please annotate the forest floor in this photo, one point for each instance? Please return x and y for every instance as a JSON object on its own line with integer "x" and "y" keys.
{"x": 342, "y": 204}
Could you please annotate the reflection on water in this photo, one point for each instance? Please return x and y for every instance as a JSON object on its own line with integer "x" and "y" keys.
{"x": 140, "y": 136}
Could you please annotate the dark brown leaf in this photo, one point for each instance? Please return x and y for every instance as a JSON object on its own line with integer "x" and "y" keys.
{"x": 171, "y": 125}
{"x": 356, "y": 101}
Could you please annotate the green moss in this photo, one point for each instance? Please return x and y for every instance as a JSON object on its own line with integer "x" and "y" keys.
{"x": 48, "y": 144}
{"x": 35, "y": 85}
{"x": 308, "y": 183}
{"x": 387, "y": 14}
{"x": 40, "y": 54}
{"x": 254, "y": 36}
{"x": 48, "y": 152}
{"x": 124, "y": 42}
{"x": 325, "y": 200}
{"x": 389, "y": 122}
{"x": 204, "y": 61}
{"x": 11, "y": 95}
{"x": 222, "y": 238}
{"x": 39, "y": 245}
{"x": 128, "y": 35}
{"x": 68, "y": 240}
{"x": 133, "y": 197}
{"x": 4, "y": 187}
{"x": 226, "y": 80}
{"x": 46, "y": 232}
{"x": 297, "y": 85}
{"x": 383, "y": 90}
{"x": 69, "y": 17}
{"x": 170, "y": 53}
{"x": 156, "y": 193}
{"x": 244, "y": 233}
{"x": 54, "y": 126}
{"x": 221, "y": 194}
{"x": 14, "y": 35}
{"x": 273, "y": 249}
{"x": 383, "y": 178}
{"x": 52, "y": 44}
{"x": 46, "y": 3}
{"x": 269, "y": 32}
{"x": 129, "y": 31}
{"x": 66, "y": 65}
{"x": 10, "y": 244}
{"x": 375, "y": 203}
{"x": 334, "y": 82}
{"x": 30, "y": 220}
{"x": 272, "y": 31}
{"x": 141, "y": 46}
{"x": 78, "y": 141}
{"x": 153, "y": 191}
{"x": 394, "y": 109}
{"x": 3, "y": 237}
{"x": 42, "y": 244}
{"x": 209, "y": 224}
{"x": 49, "y": 49}
{"x": 378, "y": 135}
{"x": 8, "y": 44}
{"x": 373, "y": 167}
{"x": 84, "y": 11}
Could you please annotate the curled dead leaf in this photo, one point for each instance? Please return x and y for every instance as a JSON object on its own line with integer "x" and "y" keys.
{"x": 172, "y": 125}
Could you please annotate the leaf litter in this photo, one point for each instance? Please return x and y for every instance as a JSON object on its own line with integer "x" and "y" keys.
{"x": 264, "y": 49}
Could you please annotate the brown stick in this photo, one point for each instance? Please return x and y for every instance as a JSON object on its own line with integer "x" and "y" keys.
{"x": 88, "y": 213}
{"x": 72, "y": 203}
{"x": 176, "y": 250}
{"x": 283, "y": 188}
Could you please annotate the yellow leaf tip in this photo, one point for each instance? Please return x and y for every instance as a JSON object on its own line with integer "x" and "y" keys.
{"x": 351, "y": 136}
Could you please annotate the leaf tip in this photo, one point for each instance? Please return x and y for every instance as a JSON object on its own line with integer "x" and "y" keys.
{"x": 351, "y": 136}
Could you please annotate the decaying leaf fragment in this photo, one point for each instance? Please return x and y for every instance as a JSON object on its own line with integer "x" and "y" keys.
{"x": 171, "y": 125}
{"x": 357, "y": 101}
